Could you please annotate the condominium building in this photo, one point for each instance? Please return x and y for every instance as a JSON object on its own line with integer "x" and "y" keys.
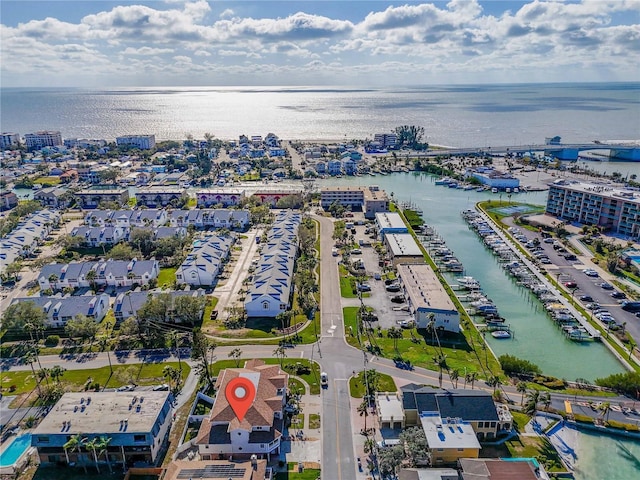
{"x": 387, "y": 140}
{"x": 8, "y": 139}
{"x": 136, "y": 423}
{"x": 370, "y": 199}
{"x": 143, "y": 142}
{"x": 427, "y": 298}
{"x": 44, "y": 138}
{"x": 616, "y": 209}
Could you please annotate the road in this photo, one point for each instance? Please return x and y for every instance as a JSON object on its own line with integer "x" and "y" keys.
{"x": 336, "y": 358}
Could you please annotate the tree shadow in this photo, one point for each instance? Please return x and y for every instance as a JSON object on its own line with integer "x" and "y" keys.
{"x": 447, "y": 339}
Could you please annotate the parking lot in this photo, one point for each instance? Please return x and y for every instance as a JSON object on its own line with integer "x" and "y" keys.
{"x": 570, "y": 273}
{"x": 388, "y": 312}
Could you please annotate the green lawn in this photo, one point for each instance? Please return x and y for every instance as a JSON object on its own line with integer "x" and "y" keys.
{"x": 292, "y": 473}
{"x": 166, "y": 276}
{"x": 357, "y": 385}
{"x": 48, "y": 181}
{"x": 345, "y": 284}
{"x": 314, "y": 420}
{"x": 146, "y": 374}
{"x": 312, "y": 379}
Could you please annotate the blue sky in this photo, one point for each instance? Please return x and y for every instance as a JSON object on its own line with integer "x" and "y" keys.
{"x": 195, "y": 42}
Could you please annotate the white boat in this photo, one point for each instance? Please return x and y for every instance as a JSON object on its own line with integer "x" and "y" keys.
{"x": 443, "y": 181}
{"x": 494, "y": 190}
{"x": 469, "y": 283}
{"x": 501, "y": 334}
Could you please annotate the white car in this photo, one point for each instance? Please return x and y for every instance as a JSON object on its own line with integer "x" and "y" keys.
{"x": 590, "y": 272}
{"x": 126, "y": 388}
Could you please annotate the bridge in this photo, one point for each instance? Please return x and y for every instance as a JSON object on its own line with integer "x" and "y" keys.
{"x": 562, "y": 151}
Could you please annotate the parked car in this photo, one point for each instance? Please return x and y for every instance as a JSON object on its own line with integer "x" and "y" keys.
{"x": 571, "y": 284}
{"x": 126, "y": 388}
{"x": 363, "y": 287}
{"x": 570, "y": 256}
{"x": 324, "y": 380}
{"x": 585, "y": 298}
{"x": 606, "y": 286}
{"x": 398, "y": 299}
{"x": 618, "y": 295}
{"x": 393, "y": 288}
{"x": 161, "y": 388}
{"x": 590, "y": 272}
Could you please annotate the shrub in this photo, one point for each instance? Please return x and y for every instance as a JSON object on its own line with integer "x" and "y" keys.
{"x": 517, "y": 366}
{"x": 52, "y": 340}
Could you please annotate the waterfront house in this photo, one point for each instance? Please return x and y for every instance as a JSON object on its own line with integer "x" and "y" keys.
{"x": 137, "y": 423}
{"x": 205, "y": 262}
{"x": 475, "y": 407}
{"x": 334, "y": 167}
{"x": 54, "y": 197}
{"x": 60, "y": 310}
{"x": 8, "y": 200}
{"x": 260, "y": 431}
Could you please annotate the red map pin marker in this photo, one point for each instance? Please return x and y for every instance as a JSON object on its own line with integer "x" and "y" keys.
{"x": 240, "y": 393}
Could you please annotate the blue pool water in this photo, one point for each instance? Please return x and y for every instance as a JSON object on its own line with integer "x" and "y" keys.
{"x": 12, "y": 453}
{"x": 533, "y": 461}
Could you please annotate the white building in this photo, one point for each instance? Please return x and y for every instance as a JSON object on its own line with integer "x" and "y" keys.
{"x": 270, "y": 293}
{"x": 143, "y": 142}
{"x": 8, "y": 139}
{"x": 427, "y": 298}
{"x": 41, "y": 139}
{"x": 205, "y": 262}
{"x": 136, "y": 422}
{"x": 60, "y": 310}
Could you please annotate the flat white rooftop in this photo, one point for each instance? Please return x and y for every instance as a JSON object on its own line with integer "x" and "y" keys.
{"x": 403, "y": 245}
{"x": 443, "y": 434}
{"x": 602, "y": 189}
{"x": 390, "y": 220}
{"x": 423, "y": 287}
{"x": 389, "y": 407}
{"x": 103, "y": 412}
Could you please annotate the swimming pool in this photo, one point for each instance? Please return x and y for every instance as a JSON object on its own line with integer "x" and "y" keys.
{"x": 14, "y": 451}
{"x": 533, "y": 461}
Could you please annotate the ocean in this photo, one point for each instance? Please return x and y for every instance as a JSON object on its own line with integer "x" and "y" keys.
{"x": 461, "y": 116}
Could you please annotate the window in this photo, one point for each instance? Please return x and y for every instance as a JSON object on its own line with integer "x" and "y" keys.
{"x": 265, "y": 305}
{"x": 493, "y": 424}
{"x": 139, "y": 438}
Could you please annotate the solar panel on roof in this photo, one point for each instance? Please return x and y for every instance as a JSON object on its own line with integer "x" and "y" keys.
{"x": 213, "y": 471}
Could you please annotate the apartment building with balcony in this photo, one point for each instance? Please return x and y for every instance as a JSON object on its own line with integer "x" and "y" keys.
{"x": 614, "y": 208}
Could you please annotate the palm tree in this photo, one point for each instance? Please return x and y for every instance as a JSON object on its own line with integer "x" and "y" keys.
{"x": 454, "y": 375}
{"x": 522, "y": 388}
{"x": 545, "y": 398}
{"x": 395, "y": 333}
{"x": 91, "y": 278}
{"x": 30, "y": 358}
{"x": 533, "y": 397}
{"x": 56, "y": 372}
{"x": 236, "y": 353}
{"x": 363, "y": 410}
{"x": 605, "y": 408}
{"x": 471, "y": 378}
{"x": 75, "y": 445}
{"x": 103, "y": 449}
{"x": 441, "y": 362}
{"x": 280, "y": 353}
{"x": 93, "y": 445}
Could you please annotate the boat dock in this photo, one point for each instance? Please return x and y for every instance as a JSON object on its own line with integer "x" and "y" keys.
{"x": 574, "y": 326}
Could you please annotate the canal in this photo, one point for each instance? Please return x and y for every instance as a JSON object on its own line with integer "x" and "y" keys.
{"x": 536, "y": 338}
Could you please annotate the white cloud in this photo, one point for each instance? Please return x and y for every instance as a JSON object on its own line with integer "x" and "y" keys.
{"x": 457, "y": 37}
{"x": 146, "y": 51}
